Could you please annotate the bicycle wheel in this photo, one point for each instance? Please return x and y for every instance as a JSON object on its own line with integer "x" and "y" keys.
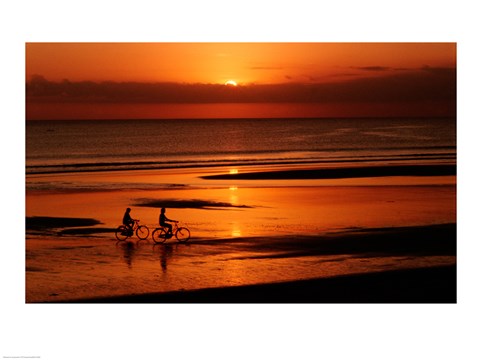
{"x": 142, "y": 232}
{"x": 159, "y": 235}
{"x": 121, "y": 233}
{"x": 182, "y": 234}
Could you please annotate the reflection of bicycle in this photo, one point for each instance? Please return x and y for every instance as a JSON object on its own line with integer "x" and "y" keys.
{"x": 160, "y": 234}
{"x": 123, "y": 232}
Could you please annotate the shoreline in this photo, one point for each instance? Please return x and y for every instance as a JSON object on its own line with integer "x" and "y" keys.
{"x": 421, "y": 285}
{"x": 342, "y": 172}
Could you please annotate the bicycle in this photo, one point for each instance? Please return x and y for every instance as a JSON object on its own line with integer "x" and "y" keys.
{"x": 123, "y": 232}
{"x": 160, "y": 235}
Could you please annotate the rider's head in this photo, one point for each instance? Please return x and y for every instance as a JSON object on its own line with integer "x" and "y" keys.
{"x": 128, "y": 209}
{"x": 163, "y": 210}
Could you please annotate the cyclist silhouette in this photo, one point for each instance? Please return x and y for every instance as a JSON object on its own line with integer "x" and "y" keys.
{"x": 127, "y": 219}
{"x": 163, "y": 221}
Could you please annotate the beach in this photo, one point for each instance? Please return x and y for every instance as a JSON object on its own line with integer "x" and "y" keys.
{"x": 290, "y": 240}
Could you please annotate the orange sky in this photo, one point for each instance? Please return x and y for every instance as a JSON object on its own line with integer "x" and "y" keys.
{"x": 330, "y": 79}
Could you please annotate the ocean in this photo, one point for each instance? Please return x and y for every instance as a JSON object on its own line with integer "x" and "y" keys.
{"x": 108, "y": 145}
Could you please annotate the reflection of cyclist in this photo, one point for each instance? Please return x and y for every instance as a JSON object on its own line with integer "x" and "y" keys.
{"x": 127, "y": 219}
{"x": 163, "y": 221}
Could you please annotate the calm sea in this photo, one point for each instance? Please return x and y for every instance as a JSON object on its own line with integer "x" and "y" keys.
{"x": 71, "y": 146}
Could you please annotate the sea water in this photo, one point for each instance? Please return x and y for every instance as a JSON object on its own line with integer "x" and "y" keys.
{"x": 104, "y": 145}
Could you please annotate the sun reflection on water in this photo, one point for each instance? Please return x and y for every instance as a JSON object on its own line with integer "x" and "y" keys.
{"x": 236, "y": 231}
{"x": 233, "y": 195}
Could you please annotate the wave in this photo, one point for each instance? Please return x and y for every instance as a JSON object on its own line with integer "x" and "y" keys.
{"x": 259, "y": 160}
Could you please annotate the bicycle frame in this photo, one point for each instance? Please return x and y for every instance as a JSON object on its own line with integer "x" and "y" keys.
{"x": 123, "y": 232}
{"x": 135, "y": 225}
{"x": 181, "y": 233}
{"x": 174, "y": 227}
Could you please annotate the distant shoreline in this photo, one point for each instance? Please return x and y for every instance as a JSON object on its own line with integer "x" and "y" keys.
{"x": 342, "y": 173}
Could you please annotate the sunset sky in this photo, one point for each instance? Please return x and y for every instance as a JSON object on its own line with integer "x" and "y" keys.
{"x": 195, "y": 80}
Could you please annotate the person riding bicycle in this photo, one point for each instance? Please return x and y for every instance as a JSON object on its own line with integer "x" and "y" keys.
{"x": 163, "y": 221}
{"x": 127, "y": 220}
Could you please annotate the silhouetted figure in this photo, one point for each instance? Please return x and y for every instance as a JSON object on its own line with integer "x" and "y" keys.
{"x": 127, "y": 220}
{"x": 163, "y": 221}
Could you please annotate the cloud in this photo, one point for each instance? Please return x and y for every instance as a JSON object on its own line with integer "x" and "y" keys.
{"x": 372, "y": 68}
{"x": 438, "y": 70}
{"x": 425, "y": 84}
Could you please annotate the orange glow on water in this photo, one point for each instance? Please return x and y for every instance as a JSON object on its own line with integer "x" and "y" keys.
{"x": 236, "y": 230}
{"x": 264, "y": 210}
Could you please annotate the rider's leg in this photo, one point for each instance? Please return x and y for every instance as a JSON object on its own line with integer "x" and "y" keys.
{"x": 130, "y": 227}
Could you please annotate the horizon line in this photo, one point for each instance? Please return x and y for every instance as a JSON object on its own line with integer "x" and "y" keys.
{"x": 263, "y": 118}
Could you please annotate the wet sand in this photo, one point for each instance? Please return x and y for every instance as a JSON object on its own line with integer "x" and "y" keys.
{"x": 422, "y": 285}
{"x": 384, "y": 265}
{"x": 290, "y": 240}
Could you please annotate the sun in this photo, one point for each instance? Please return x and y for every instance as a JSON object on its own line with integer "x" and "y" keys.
{"x": 231, "y": 83}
